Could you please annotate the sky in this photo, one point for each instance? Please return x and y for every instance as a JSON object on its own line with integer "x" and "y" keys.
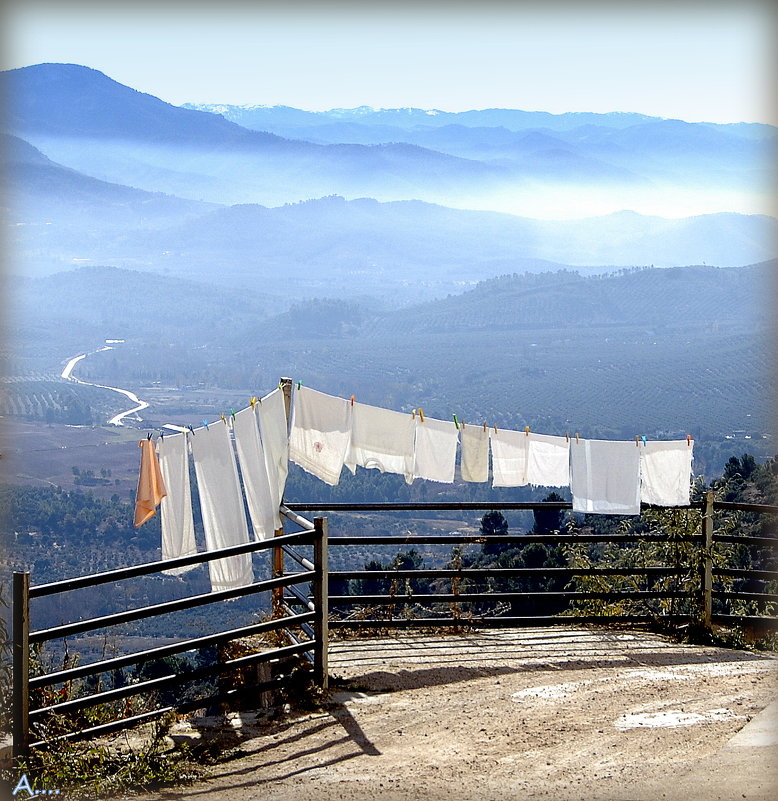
{"x": 698, "y": 61}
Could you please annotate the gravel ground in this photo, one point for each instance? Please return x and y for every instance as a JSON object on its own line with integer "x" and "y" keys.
{"x": 562, "y": 713}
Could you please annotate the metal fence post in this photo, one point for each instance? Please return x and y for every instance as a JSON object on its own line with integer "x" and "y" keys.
{"x": 278, "y": 555}
{"x": 21, "y": 665}
{"x": 707, "y": 562}
{"x": 321, "y": 602}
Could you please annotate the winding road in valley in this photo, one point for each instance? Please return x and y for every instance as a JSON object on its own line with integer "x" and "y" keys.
{"x": 116, "y": 420}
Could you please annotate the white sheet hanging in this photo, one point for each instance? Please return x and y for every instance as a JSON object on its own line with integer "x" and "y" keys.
{"x": 548, "y": 461}
{"x": 474, "y": 459}
{"x": 321, "y": 433}
{"x": 509, "y": 457}
{"x": 178, "y": 537}
{"x": 665, "y": 472}
{"x": 274, "y": 433}
{"x": 253, "y": 469}
{"x": 435, "y": 452}
{"x": 221, "y": 503}
{"x": 605, "y": 477}
{"x": 381, "y": 439}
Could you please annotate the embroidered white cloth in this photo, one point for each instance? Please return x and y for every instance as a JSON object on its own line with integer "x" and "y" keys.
{"x": 253, "y": 469}
{"x": 548, "y": 461}
{"x": 474, "y": 454}
{"x": 274, "y": 433}
{"x": 381, "y": 439}
{"x": 509, "y": 457}
{"x": 435, "y": 452}
{"x": 321, "y": 432}
{"x": 221, "y": 503}
{"x": 665, "y": 472}
{"x": 605, "y": 477}
{"x": 178, "y": 537}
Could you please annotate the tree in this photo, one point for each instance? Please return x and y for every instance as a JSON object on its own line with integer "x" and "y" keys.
{"x": 548, "y": 520}
{"x": 494, "y": 523}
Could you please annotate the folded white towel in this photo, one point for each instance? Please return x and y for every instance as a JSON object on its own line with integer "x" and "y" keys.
{"x": 665, "y": 472}
{"x": 321, "y": 433}
{"x": 178, "y": 537}
{"x": 381, "y": 439}
{"x": 509, "y": 457}
{"x": 221, "y": 502}
{"x": 605, "y": 477}
{"x": 548, "y": 461}
{"x": 475, "y": 453}
{"x": 436, "y": 450}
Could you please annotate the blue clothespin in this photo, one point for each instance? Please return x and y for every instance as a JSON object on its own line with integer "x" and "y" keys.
{"x": 644, "y": 440}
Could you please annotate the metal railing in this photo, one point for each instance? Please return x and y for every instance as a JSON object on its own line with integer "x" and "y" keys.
{"x": 702, "y": 585}
{"x": 28, "y": 722}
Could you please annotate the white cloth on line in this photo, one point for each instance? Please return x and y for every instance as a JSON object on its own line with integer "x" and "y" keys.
{"x": 474, "y": 455}
{"x": 605, "y": 477}
{"x": 274, "y": 433}
{"x": 321, "y": 433}
{"x": 509, "y": 457}
{"x": 178, "y": 537}
{"x": 381, "y": 439}
{"x": 665, "y": 472}
{"x": 435, "y": 452}
{"x": 221, "y": 503}
{"x": 256, "y": 483}
{"x": 548, "y": 461}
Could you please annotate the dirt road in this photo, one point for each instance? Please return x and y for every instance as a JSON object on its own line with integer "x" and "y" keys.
{"x": 524, "y": 714}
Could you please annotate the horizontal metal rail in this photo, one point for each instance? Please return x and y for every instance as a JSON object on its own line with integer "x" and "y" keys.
{"x": 144, "y": 717}
{"x": 758, "y": 508}
{"x": 301, "y": 537}
{"x": 752, "y": 542}
{"x": 497, "y": 621}
{"x": 506, "y": 539}
{"x": 754, "y": 575}
{"x": 167, "y": 681}
{"x": 492, "y": 597}
{"x": 163, "y": 608}
{"x": 184, "y": 646}
{"x": 764, "y": 597}
{"x": 504, "y": 572}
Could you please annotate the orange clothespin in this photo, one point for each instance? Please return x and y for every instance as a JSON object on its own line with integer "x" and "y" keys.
{"x": 352, "y": 399}
{"x": 688, "y": 440}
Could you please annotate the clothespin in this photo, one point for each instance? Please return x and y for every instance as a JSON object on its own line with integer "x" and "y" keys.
{"x": 688, "y": 440}
{"x": 637, "y": 441}
{"x": 205, "y": 423}
{"x": 299, "y": 384}
{"x": 456, "y": 421}
{"x": 413, "y": 413}
{"x": 567, "y": 436}
{"x": 223, "y": 419}
{"x": 576, "y": 437}
{"x": 643, "y": 440}
{"x": 526, "y": 431}
{"x": 421, "y": 414}
{"x": 148, "y": 436}
{"x": 232, "y": 413}
{"x": 253, "y": 402}
{"x": 191, "y": 430}
{"x": 495, "y": 429}
{"x": 484, "y": 426}
{"x": 353, "y": 398}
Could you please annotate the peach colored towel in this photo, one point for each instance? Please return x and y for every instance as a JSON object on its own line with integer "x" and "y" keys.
{"x": 151, "y": 487}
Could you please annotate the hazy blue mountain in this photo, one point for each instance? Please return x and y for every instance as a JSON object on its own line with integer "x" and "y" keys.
{"x": 84, "y": 120}
{"x": 42, "y": 192}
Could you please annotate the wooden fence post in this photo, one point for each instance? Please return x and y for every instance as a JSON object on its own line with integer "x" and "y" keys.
{"x": 21, "y": 665}
{"x": 278, "y": 555}
{"x": 321, "y": 602}
{"x": 707, "y": 562}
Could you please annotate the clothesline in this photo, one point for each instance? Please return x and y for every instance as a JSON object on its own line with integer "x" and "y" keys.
{"x": 245, "y": 456}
